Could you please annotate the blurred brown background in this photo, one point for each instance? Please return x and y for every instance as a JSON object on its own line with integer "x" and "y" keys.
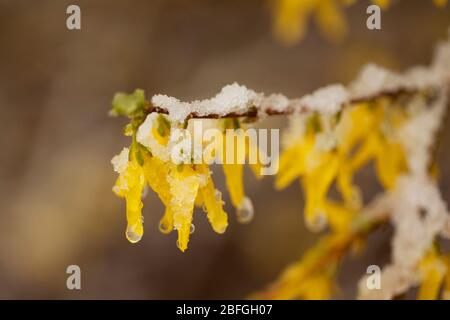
{"x": 56, "y": 141}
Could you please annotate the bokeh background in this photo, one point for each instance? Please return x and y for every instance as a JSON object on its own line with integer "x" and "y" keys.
{"x": 56, "y": 141}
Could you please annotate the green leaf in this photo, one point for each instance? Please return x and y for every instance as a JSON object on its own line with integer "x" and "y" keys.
{"x": 163, "y": 126}
{"x": 314, "y": 124}
{"x": 128, "y": 104}
{"x": 139, "y": 157}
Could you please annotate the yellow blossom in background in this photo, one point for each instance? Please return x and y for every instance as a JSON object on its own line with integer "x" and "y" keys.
{"x": 440, "y": 3}
{"x": 446, "y": 289}
{"x": 313, "y": 276}
{"x": 328, "y": 152}
{"x": 291, "y": 17}
{"x": 382, "y": 3}
{"x": 432, "y": 269}
{"x": 362, "y": 132}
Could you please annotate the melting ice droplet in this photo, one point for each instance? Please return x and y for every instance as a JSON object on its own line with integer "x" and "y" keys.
{"x": 132, "y": 234}
{"x": 245, "y": 211}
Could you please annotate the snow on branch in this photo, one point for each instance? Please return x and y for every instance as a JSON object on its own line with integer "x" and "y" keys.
{"x": 373, "y": 81}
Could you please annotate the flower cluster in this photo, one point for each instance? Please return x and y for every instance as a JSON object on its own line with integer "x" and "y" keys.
{"x": 327, "y": 151}
{"x": 397, "y": 133}
{"x": 290, "y": 17}
{"x": 181, "y": 185}
{"x": 330, "y": 149}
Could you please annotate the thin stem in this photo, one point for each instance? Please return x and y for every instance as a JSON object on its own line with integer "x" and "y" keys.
{"x": 253, "y": 111}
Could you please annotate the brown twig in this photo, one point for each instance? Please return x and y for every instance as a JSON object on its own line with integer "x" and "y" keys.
{"x": 253, "y": 111}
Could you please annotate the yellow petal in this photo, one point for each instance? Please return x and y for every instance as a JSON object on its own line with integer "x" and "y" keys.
{"x": 446, "y": 291}
{"x": 290, "y": 19}
{"x": 358, "y": 122}
{"x": 318, "y": 287}
{"x": 331, "y": 20}
{"x": 184, "y": 184}
{"x": 290, "y": 168}
{"x": 214, "y": 207}
{"x": 316, "y": 185}
{"x": 255, "y": 164}
{"x": 166, "y": 222}
{"x": 365, "y": 152}
{"x": 235, "y": 184}
{"x": 293, "y": 161}
{"x": 134, "y": 177}
{"x": 349, "y": 192}
{"x": 432, "y": 270}
{"x": 382, "y": 3}
{"x": 440, "y": 3}
{"x": 338, "y": 216}
{"x": 389, "y": 164}
{"x": 156, "y": 172}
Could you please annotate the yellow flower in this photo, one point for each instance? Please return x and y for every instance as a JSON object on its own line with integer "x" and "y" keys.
{"x": 292, "y": 161}
{"x": 432, "y": 269}
{"x": 233, "y": 167}
{"x": 389, "y": 163}
{"x": 363, "y": 132}
{"x": 184, "y": 183}
{"x": 290, "y": 17}
{"x": 382, "y": 3}
{"x": 130, "y": 185}
{"x": 180, "y": 187}
{"x": 192, "y": 185}
{"x": 339, "y": 216}
{"x": 446, "y": 291}
{"x": 318, "y": 287}
{"x": 316, "y": 184}
{"x": 212, "y": 200}
{"x": 312, "y": 277}
{"x": 330, "y": 19}
{"x": 440, "y": 3}
{"x": 155, "y": 172}
{"x": 235, "y": 184}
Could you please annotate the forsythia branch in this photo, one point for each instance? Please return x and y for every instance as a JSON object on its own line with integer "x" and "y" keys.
{"x": 294, "y": 282}
{"x": 253, "y": 111}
